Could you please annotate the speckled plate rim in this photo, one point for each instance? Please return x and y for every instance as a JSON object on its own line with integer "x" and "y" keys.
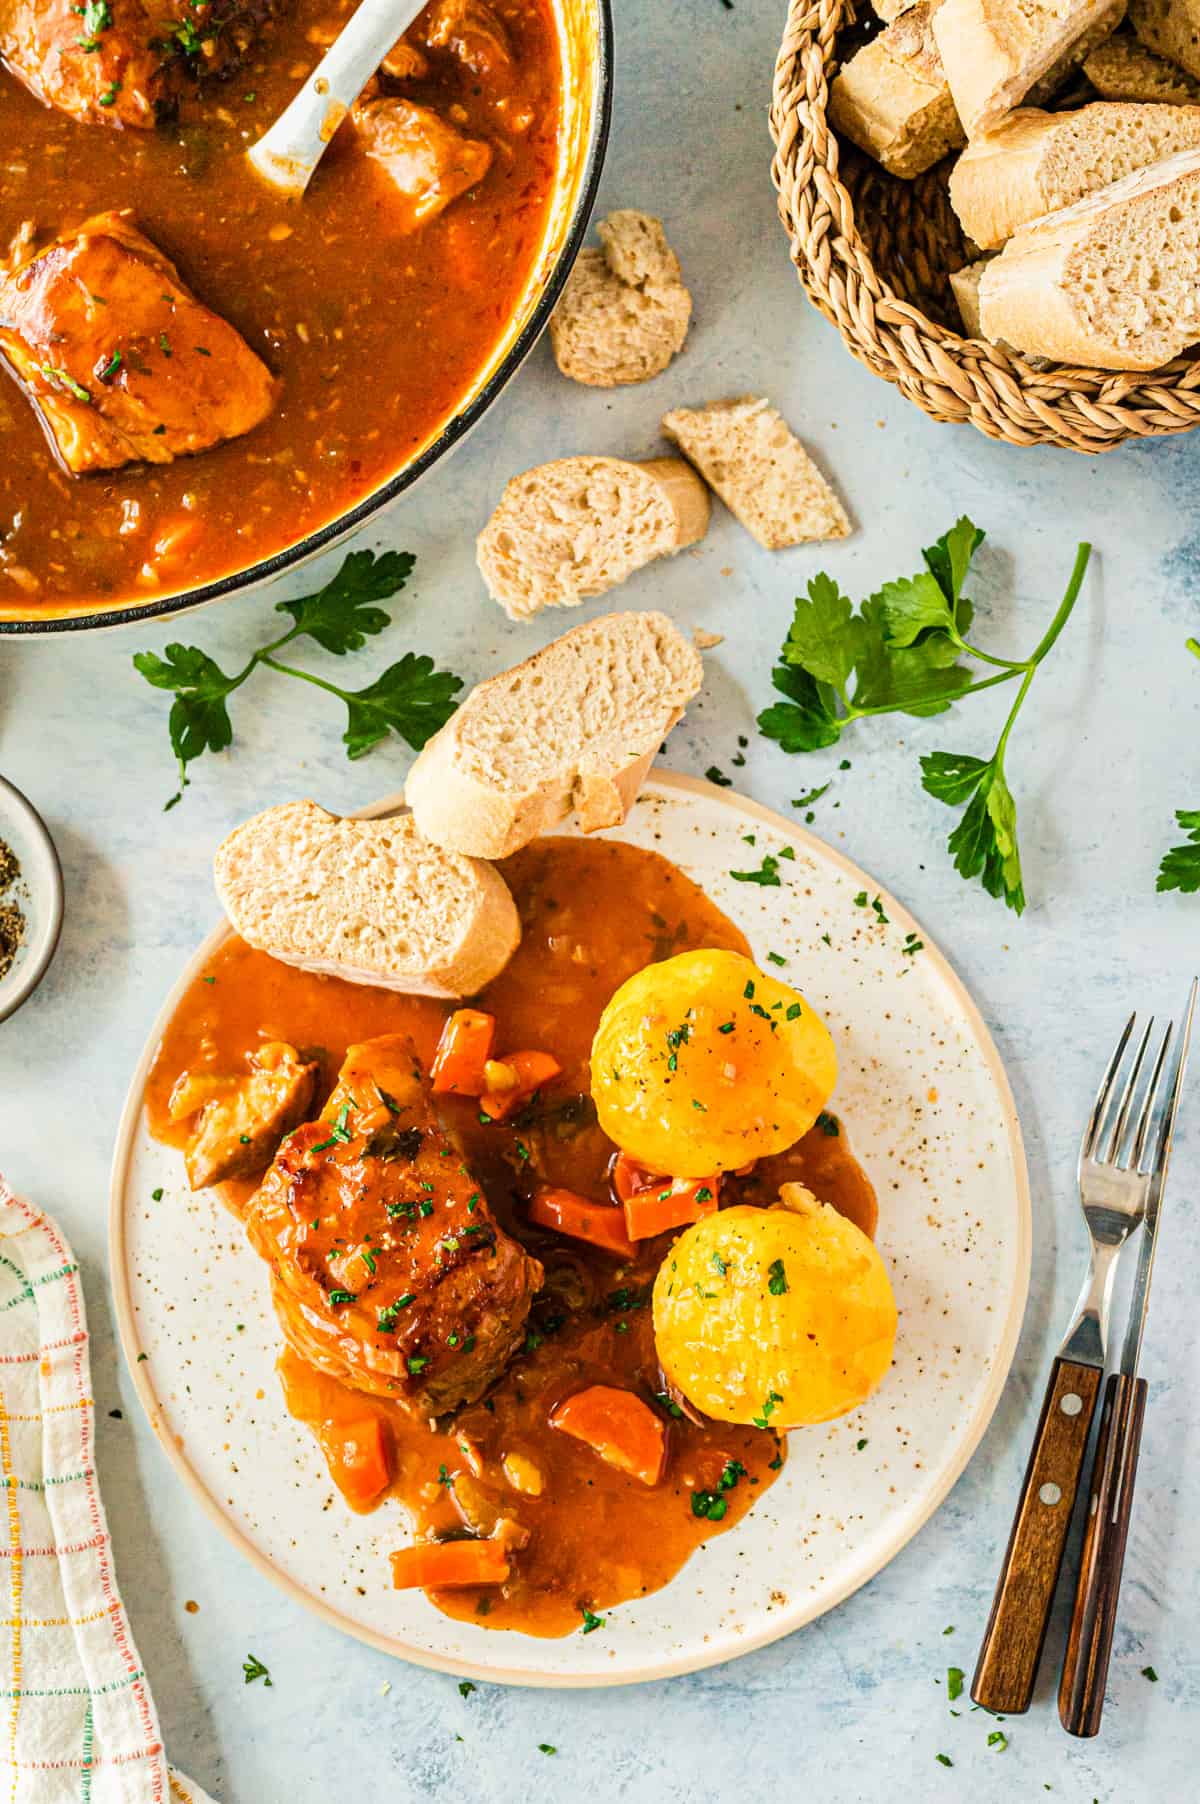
{"x": 47, "y": 886}
{"x": 787, "y": 1621}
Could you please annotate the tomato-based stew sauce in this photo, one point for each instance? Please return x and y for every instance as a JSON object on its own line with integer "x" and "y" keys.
{"x": 147, "y": 445}
{"x": 585, "y": 1535}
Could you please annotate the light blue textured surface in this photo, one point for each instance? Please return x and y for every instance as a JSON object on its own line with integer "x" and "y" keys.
{"x": 855, "y": 1706}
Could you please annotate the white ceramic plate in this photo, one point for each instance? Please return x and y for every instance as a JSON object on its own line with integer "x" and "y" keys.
{"x": 931, "y": 1118}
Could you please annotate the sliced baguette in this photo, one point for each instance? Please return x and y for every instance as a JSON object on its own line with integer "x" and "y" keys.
{"x": 1113, "y": 281}
{"x": 576, "y": 726}
{"x": 964, "y": 283}
{"x": 1170, "y": 28}
{"x": 581, "y": 525}
{"x": 746, "y": 452}
{"x": 1123, "y": 69}
{"x": 997, "y": 54}
{"x": 624, "y": 312}
{"x": 892, "y": 98}
{"x": 1035, "y": 163}
{"x": 371, "y": 901}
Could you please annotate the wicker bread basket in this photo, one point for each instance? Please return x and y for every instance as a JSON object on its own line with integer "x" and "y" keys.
{"x": 875, "y": 252}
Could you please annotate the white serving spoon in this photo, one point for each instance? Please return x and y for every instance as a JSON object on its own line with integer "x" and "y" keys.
{"x": 286, "y": 155}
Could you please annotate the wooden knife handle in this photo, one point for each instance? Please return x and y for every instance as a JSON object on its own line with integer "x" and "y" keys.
{"x": 1089, "y": 1644}
{"x": 1012, "y": 1642}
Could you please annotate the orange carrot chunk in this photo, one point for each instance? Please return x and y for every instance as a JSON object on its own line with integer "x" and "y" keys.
{"x": 462, "y": 1053}
{"x": 617, "y": 1425}
{"x": 513, "y": 1079}
{"x": 653, "y": 1205}
{"x": 598, "y": 1223}
{"x": 449, "y": 1565}
{"x": 363, "y": 1462}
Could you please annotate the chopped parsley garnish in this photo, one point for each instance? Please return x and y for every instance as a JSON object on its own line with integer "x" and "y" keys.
{"x": 109, "y": 368}
{"x": 253, "y": 1668}
{"x": 718, "y": 777}
{"x": 943, "y": 1759}
{"x": 777, "y": 1278}
{"x": 954, "y": 1682}
{"x": 444, "y": 1477}
{"x": 767, "y": 874}
{"x": 773, "y": 1465}
{"x": 703, "y": 1195}
{"x": 1148, "y": 1672}
{"x": 465, "y": 1688}
{"x": 697, "y": 1104}
{"x": 343, "y": 1296}
{"x": 545, "y": 1747}
{"x": 829, "y": 1124}
{"x": 809, "y": 797}
{"x": 61, "y": 378}
{"x": 719, "y": 1264}
{"x": 998, "y": 1740}
{"x": 667, "y": 1403}
{"x": 156, "y": 1195}
{"x": 425, "y": 1209}
{"x": 708, "y": 1505}
{"x": 110, "y": 97}
{"x": 590, "y": 1622}
{"x": 771, "y": 1403}
{"x": 416, "y": 1362}
{"x": 748, "y": 992}
{"x": 97, "y": 17}
{"x": 859, "y": 1445}
{"x": 368, "y": 1259}
{"x": 912, "y": 945}
{"x": 776, "y": 958}
{"x": 726, "y": 1027}
{"x": 339, "y": 1133}
{"x": 793, "y": 1012}
{"x": 388, "y": 1316}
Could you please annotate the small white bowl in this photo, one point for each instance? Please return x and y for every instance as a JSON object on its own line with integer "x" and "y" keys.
{"x": 38, "y": 892}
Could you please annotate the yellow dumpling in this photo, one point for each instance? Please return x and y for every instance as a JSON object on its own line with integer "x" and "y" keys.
{"x": 703, "y": 1062}
{"x": 780, "y": 1317}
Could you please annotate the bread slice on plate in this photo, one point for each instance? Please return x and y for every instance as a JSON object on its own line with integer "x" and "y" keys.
{"x": 892, "y": 98}
{"x": 624, "y": 312}
{"x": 1123, "y": 69}
{"x": 1170, "y": 28}
{"x": 576, "y": 726}
{"x": 370, "y": 901}
{"x": 997, "y": 54}
{"x": 1113, "y": 281}
{"x": 745, "y": 451}
{"x": 1035, "y": 163}
{"x": 579, "y": 526}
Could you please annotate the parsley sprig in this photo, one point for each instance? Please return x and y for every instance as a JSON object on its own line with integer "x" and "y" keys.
{"x": 902, "y": 652}
{"x": 1180, "y": 868}
{"x": 411, "y": 698}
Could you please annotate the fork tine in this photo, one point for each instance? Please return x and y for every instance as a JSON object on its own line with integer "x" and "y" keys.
{"x": 1112, "y": 1156}
{"x": 1142, "y": 1132}
{"x": 1092, "y": 1129}
{"x": 1162, "y": 1151}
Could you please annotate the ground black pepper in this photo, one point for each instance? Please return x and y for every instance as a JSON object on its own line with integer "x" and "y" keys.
{"x": 12, "y": 920}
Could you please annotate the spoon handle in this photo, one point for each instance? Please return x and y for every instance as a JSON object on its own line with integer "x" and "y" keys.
{"x": 286, "y": 154}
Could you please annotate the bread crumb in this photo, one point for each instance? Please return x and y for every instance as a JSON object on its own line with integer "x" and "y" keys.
{"x": 703, "y": 640}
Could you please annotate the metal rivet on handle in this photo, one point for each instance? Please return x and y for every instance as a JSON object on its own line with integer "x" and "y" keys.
{"x": 1071, "y": 1404}
{"x": 1050, "y": 1494}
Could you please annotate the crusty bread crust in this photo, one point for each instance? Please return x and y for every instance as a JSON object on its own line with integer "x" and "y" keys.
{"x": 746, "y": 451}
{"x": 1035, "y": 163}
{"x": 1171, "y": 28}
{"x": 579, "y": 526}
{"x": 1123, "y": 69}
{"x": 574, "y": 727}
{"x": 369, "y": 901}
{"x": 995, "y": 52}
{"x": 893, "y": 100}
{"x": 1112, "y": 282}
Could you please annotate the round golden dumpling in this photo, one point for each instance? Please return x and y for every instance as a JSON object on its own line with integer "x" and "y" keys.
{"x": 703, "y": 1062}
{"x": 780, "y": 1317}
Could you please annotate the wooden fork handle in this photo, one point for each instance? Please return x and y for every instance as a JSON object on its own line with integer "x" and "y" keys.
{"x": 1089, "y": 1644}
{"x": 1016, "y": 1629}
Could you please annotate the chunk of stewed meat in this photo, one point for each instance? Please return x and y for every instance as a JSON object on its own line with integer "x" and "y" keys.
{"x": 470, "y": 31}
{"x": 120, "y": 359}
{"x": 240, "y": 1119}
{"x": 428, "y": 161}
{"x": 389, "y": 1271}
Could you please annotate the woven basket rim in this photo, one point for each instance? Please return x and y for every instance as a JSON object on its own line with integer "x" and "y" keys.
{"x": 949, "y": 377}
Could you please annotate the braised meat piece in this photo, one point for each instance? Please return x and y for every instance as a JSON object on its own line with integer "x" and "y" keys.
{"x": 470, "y": 31}
{"x": 116, "y": 62}
{"x": 428, "y": 161}
{"x": 118, "y": 356}
{"x": 388, "y": 1269}
{"x": 239, "y": 1121}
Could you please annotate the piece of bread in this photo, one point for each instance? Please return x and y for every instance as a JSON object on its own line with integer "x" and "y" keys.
{"x": 887, "y": 10}
{"x": 965, "y": 284}
{"x": 371, "y": 901}
{"x": 579, "y": 526}
{"x": 576, "y": 726}
{"x": 1113, "y": 281}
{"x": 1034, "y": 163}
{"x": 746, "y": 452}
{"x": 996, "y": 53}
{"x": 1123, "y": 69}
{"x": 892, "y": 98}
{"x": 1171, "y": 28}
{"x": 624, "y": 312}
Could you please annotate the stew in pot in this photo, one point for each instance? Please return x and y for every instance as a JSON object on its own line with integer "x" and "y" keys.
{"x": 200, "y": 371}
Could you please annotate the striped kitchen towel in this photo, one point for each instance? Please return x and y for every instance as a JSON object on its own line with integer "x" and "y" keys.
{"x": 77, "y": 1718}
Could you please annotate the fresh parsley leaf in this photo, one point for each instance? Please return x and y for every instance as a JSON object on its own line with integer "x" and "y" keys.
{"x": 825, "y": 638}
{"x": 807, "y": 721}
{"x": 253, "y": 1668}
{"x": 951, "y": 776}
{"x": 340, "y": 616}
{"x": 949, "y": 560}
{"x": 954, "y": 1682}
{"x": 984, "y": 843}
{"x": 411, "y": 698}
{"x": 767, "y": 874}
{"x": 1180, "y": 868}
{"x": 919, "y": 679}
{"x": 913, "y": 604}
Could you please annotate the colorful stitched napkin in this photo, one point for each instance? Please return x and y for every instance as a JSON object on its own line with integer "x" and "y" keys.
{"x": 77, "y": 1719}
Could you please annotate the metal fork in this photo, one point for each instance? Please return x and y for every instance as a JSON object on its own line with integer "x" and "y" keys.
{"x": 1114, "y": 1183}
